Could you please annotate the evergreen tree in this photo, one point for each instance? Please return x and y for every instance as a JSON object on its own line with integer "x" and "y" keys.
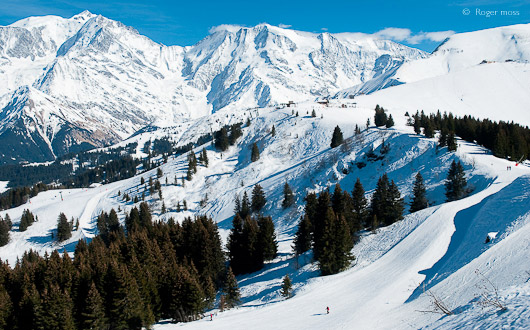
{"x": 387, "y": 203}
{"x": 6, "y": 308}
{"x": 235, "y": 133}
{"x": 4, "y": 233}
{"x": 288, "y": 196}
{"x": 26, "y": 220}
{"x": 336, "y": 244}
{"x": 336, "y": 139}
{"x": 245, "y": 206}
{"x": 396, "y": 204}
{"x": 267, "y": 238}
{"x": 428, "y": 129}
{"x": 417, "y": 123}
{"x": 255, "y": 152}
{"x": 455, "y": 185}
{"x": 442, "y": 139}
{"x": 159, "y": 172}
{"x": 451, "y": 142}
{"x": 126, "y": 306}
{"x": 359, "y": 203}
{"x": 380, "y": 118}
{"x": 55, "y": 311}
{"x": 231, "y": 290}
{"x": 8, "y": 221}
{"x": 64, "y": 231}
{"x": 221, "y": 139}
{"x": 203, "y": 158}
{"x": 287, "y": 286}
{"x": 93, "y": 314}
{"x": 419, "y": 199}
{"x": 303, "y": 237}
{"x": 273, "y": 131}
{"x": 390, "y": 122}
{"x": 313, "y": 113}
{"x": 258, "y": 198}
{"x": 192, "y": 162}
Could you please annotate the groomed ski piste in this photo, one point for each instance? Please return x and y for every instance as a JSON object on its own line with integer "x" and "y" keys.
{"x": 439, "y": 250}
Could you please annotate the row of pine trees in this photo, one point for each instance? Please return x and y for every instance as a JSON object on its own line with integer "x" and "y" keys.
{"x": 125, "y": 278}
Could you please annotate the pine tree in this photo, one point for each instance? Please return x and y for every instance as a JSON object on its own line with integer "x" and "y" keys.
{"x": 419, "y": 199}
{"x": 337, "y": 138}
{"x": 313, "y": 113}
{"x": 93, "y": 314}
{"x": 254, "y": 153}
{"x": 245, "y": 206}
{"x": 396, "y": 204}
{"x": 442, "y": 139}
{"x": 417, "y": 123}
{"x": 203, "y": 157}
{"x": 380, "y": 118}
{"x": 267, "y": 238}
{"x": 273, "y": 131}
{"x": 258, "y": 198}
{"x": 303, "y": 237}
{"x": 387, "y": 203}
{"x": 26, "y": 220}
{"x": 287, "y": 286}
{"x": 288, "y": 196}
{"x": 455, "y": 185}
{"x": 428, "y": 129}
{"x": 231, "y": 290}
{"x": 379, "y": 202}
{"x": 336, "y": 244}
{"x": 6, "y": 308}
{"x": 8, "y": 221}
{"x": 359, "y": 203}
{"x": 451, "y": 142}
{"x": 389, "y": 122}
{"x": 159, "y": 172}
{"x": 56, "y": 310}
{"x": 375, "y": 223}
{"x": 4, "y": 233}
{"x": 221, "y": 139}
{"x": 64, "y": 231}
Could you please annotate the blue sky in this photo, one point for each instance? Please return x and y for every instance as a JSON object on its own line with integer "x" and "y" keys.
{"x": 421, "y": 24}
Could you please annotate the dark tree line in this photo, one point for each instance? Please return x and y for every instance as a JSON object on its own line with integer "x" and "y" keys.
{"x": 17, "y": 196}
{"x": 505, "y": 140}
{"x": 122, "y": 279}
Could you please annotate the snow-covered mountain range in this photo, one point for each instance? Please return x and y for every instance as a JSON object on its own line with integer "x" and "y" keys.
{"x": 88, "y": 80}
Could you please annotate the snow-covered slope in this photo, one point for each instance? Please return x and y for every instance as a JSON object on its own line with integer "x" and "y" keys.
{"x": 441, "y": 246}
{"x": 498, "y": 91}
{"x": 459, "y": 52}
{"x": 120, "y": 81}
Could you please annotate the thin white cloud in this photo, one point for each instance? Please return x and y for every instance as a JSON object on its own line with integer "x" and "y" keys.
{"x": 324, "y": 29}
{"x": 396, "y": 34}
{"x": 225, "y": 27}
{"x": 284, "y": 26}
{"x": 438, "y": 36}
{"x": 402, "y": 35}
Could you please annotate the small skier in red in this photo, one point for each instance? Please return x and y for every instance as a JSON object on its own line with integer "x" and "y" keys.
{"x": 211, "y": 316}
{"x": 327, "y": 310}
